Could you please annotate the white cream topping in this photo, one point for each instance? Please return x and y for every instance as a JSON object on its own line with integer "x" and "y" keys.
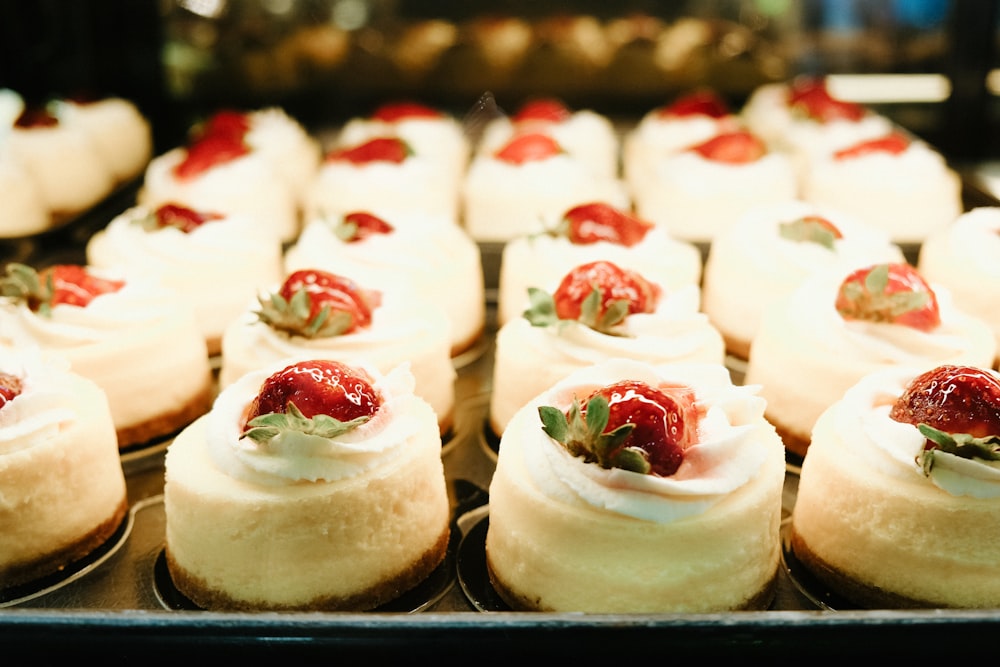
{"x": 907, "y": 171}
{"x": 728, "y": 453}
{"x": 974, "y": 241}
{"x": 295, "y": 457}
{"x": 893, "y": 448}
{"x": 693, "y": 173}
{"x": 46, "y": 402}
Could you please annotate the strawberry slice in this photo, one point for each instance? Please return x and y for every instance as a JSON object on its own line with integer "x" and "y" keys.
{"x": 378, "y": 149}
{"x": 211, "y": 150}
{"x": 394, "y": 112}
{"x": 529, "y": 147}
{"x": 811, "y": 229}
{"x": 226, "y": 123}
{"x": 359, "y": 225}
{"x": 320, "y": 397}
{"x": 69, "y": 284}
{"x": 957, "y": 408}
{"x": 318, "y": 304}
{"x": 181, "y": 217}
{"x": 629, "y": 425}
{"x": 598, "y": 221}
{"x": 737, "y": 147}
{"x": 892, "y": 144}
{"x": 10, "y": 388}
{"x": 893, "y": 293}
{"x": 545, "y": 109}
{"x": 812, "y": 98}
{"x": 697, "y": 103}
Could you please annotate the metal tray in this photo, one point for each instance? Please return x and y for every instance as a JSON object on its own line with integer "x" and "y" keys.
{"x": 120, "y": 602}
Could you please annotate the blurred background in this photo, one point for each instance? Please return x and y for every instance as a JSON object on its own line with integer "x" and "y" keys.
{"x": 931, "y": 65}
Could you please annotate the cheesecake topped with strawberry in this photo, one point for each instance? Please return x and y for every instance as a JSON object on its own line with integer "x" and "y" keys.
{"x": 633, "y": 487}
{"x": 839, "y": 326}
{"x": 596, "y": 311}
{"x": 331, "y": 475}
{"x": 916, "y": 451}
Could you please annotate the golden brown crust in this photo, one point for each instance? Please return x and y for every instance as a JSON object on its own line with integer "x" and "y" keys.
{"x": 737, "y": 348}
{"x": 205, "y": 596}
{"x": 463, "y": 346}
{"x": 17, "y": 574}
{"x": 794, "y": 442}
{"x": 214, "y": 345}
{"x": 521, "y": 602}
{"x": 169, "y": 423}
{"x": 845, "y": 586}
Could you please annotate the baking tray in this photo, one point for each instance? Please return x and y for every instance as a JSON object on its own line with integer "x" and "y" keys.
{"x": 120, "y": 603}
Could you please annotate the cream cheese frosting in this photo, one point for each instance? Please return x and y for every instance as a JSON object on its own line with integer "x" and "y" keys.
{"x": 45, "y": 405}
{"x": 538, "y": 260}
{"x": 122, "y": 136}
{"x": 529, "y": 358}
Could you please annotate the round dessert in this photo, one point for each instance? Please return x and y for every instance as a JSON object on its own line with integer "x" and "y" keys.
{"x": 356, "y": 177}
{"x": 316, "y": 314}
{"x": 430, "y": 256}
{"x": 964, "y": 257}
{"x": 898, "y": 499}
{"x": 585, "y": 233}
{"x": 136, "y": 339}
{"x": 769, "y": 251}
{"x": 61, "y": 475}
{"x": 583, "y": 133}
{"x": 893, "y": 182}
{"x": 122, "y": 135}
{"x": 699, "y": 192}
{"x": 313, "y": 485}
{"x": 839, "y": 326}
{"x": 633, "y": 488}
{"x": 531, "y": 179}
{"x": 216, "y": 261}
{"x": 598, "y": 310}
{"x": 219, "y": 169}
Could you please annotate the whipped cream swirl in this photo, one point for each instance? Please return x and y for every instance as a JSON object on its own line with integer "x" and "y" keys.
{"x": 46, "y": 403}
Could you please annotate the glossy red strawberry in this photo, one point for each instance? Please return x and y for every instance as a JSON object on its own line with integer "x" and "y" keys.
{"x": 10, "y": 388}
{"x": 317, "y": 396}
{"x": 736, "y": 147}
{"x": 598, "y": 221}
{"x": 315, "y": 304}
{"x": 226, "y": 123}
{"x": 378, "y": 149}
{"x": 529, "y": 147}
{"x": 812, "y": 98}
{"x": 697, "y": 103}
{"x": 893, "y": 293}
{"x": 183, "y": 218}
{"x": 69, "y": 284}
{"x": 891, "y": 144}
{"x": 812, "y": 229}
{"x": 953, "y": 399}
{"x": 612, "y": 284}
{"x": 360, "y": 225}
{"x": 210, "y": 151}
{"x": 394, "y": 112}
{"x": 630, "y": 425}
{"x": 545, "y": 109}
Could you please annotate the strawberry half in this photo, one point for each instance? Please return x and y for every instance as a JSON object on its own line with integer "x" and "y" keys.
{"x": 318, "y": 304}
{"x": 69, "y": 284}
{"x": 529, "y": 147}
{"x": 891, "y": 144}
{"x": 10, "y": 388}
{"x": 892, "y": 293}
{"x": 394, "y": 112}
{"x": 226, "y": 123}
{"x": 360, "y": 225}
{"x": 957, "y": 408}
{"x": 546, "y": 109}
{"x": 697, "y": 103}
{"x": 598, "y": 294}
{"x": 319, "y": 397}
{"x": 737, "y": 147}
{"x": 379, "y": 149}
{"x": 180, "y": 217}
{"x": 629, "y": 425}
{"x": 598, "y": 221}
{"x": 812, "y": 99}
{"x": 210, "y": 151}
{"x": 811, "y": 229}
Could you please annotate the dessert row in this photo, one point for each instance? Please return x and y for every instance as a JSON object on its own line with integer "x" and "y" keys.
{"x": 302, "y": 357}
